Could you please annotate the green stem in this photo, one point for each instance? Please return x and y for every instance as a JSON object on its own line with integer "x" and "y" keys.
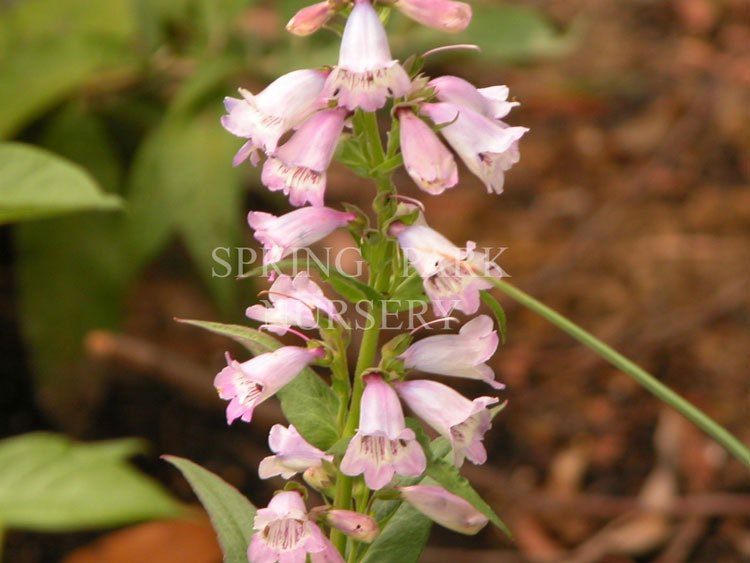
{"x": 704, "y": 422}
{"x": 370, "y": 121}
{"x": 367, "y": 351}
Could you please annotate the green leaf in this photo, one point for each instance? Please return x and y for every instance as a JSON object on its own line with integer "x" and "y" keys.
{"x": 231, "y": 514}
{"x": 349, "y": 153}
{"x": 448, "y": 476}
{"x": 35, "y": 183}
{"x": 403, "y": 538}
{"x": 350, "y": 288}
{"x": 498, "y": 311}
{"x": 312, "y": 407}
{"x": 255, "y": 341}
{"x": 50, "y": 483}
{"x": 407, "y": 295}
{"x": 308, "y": 402}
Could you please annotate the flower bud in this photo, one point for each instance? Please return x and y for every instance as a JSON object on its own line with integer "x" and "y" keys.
{"x": 445, "y": 15}
{"x": 447, "y": 509}
{"x": 318, "y": 478}
{"x": 355, "y": 525}
{"x": 310, "y": 19}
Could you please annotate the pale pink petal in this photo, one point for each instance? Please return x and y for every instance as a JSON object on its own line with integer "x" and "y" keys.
{"x": 298, "y": 167}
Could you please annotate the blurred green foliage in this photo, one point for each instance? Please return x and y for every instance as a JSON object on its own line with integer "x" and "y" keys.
{"x": 130, "y": 90}
{"x": 49, "y": 483}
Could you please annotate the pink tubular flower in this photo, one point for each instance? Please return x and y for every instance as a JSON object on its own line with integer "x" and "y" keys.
{"x": 447, "y": 509}
{"x": 366, "y": 74}
{"x": 382, "y": 446}
{"x": 281, "y": 236}
{"x": 264, "y": 118}
{"x": 426, "y": 159}
{"x": 455, "y": 417}
{"x": 298, "y": 167}
{"x": 459, "y": 355}
{"x": 293, "y": 454}
{"x": 284, "y": 533}
{"x": 293, "y": 303}
{"x": 246, "y": 385}
{"x": 488, "y": 148}
{"x": 444, "y": 15}
{"x": 491, "y": 102}
{"x": 453, "y": 277}
{"x": 310, "y": 19}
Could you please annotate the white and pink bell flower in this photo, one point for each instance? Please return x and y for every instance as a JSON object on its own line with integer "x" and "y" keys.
{"x": 292, "y": 454}
{"x": 491, "y": 102}
{"x": 382, "y": 446}
{"x": 245, "y": 385}
{"x": 265, "y": 117}
{"x": 429, "y": 163}
{"x": 310, "y": 19}
{"x": 366, "y": 74}
{"x": 463, "y": 422}
{"x": 298, "y": 167}
{"x": 488, "y": 148}
{"x": 458, "y": 355}
{"x": 452, "y": 276}
{"x": 293, "y": 303}
{"x": 284, "y": 533}
{"x": 445, "y": 15}
{"x": 281, "y": 236}
{"x": 445, "y": 508}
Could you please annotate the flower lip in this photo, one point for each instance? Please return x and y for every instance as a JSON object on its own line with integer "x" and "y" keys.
{"x": 462, "y": 421}
{"x": 285, "y": 532}
{"x": 382, "y": 446}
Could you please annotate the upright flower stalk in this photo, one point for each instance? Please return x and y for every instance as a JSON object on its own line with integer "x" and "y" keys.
{"x": 297, "y": 123}
{"x": 360, "y": 437}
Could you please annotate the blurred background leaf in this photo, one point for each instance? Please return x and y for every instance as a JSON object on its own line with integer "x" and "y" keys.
{"x": 49, "y": 483}
{"x": 35, "y": 183}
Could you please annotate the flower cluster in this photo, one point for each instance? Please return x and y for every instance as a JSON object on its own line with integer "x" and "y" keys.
{"x": 296, "y": 124}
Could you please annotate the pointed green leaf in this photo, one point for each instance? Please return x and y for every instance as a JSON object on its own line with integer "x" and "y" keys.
{"x": 50, "y": 483}
{"x": 403, "y": 538}
{"x": 254, "y": 340}
{"x": 231, "y": 514}
{"x": 498, "y": 311}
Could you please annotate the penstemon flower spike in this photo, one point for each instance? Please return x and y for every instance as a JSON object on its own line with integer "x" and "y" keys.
{"x": 296, "y": 123}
